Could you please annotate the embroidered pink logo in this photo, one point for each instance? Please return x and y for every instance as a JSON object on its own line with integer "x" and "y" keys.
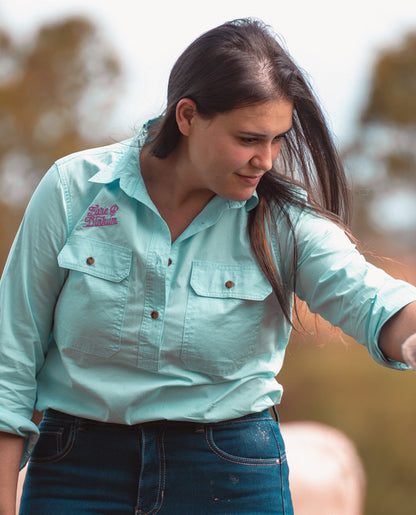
{"x": 98, "y": 216}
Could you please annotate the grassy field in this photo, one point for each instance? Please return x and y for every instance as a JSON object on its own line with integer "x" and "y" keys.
{"x": 336, "y": 382}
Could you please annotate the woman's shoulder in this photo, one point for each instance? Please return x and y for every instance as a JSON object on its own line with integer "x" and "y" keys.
{"x": 299, "y": 223}
{"x": 92, "y": 160}
{"x": 70, "y": 183}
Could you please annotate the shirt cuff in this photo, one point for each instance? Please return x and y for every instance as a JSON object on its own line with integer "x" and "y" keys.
{"x": 400, "y": 300}
{"x": 19, "y": 425}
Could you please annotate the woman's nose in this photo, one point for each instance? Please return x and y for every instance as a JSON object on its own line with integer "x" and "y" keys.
{"x": 263, "y": 159}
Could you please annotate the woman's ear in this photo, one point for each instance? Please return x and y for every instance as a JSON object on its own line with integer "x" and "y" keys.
{"x": 185, "y": 115}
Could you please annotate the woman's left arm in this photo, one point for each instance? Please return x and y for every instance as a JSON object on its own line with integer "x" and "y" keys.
{"x": 396, "y": 331}
{"x": 337, "y": 282}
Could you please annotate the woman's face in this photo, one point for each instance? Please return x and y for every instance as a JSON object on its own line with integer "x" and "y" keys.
{"x": 230, "y": 153}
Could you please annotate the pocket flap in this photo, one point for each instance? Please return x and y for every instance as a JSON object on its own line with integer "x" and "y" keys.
{"x": 94, "y": 257}
{"x": 234, "y": 281}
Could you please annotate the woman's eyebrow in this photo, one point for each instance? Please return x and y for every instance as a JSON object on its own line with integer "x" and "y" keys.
{"x": 260, "y": 135}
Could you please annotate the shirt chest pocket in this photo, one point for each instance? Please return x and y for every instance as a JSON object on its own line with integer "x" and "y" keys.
{"x": 90, "y": 310}
{"x": 223, "y": 315}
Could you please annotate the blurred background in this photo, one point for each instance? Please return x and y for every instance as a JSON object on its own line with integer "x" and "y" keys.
{"x": 76, "y": 74}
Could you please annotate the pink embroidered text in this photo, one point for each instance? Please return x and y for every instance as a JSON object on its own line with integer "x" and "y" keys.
{"x": 98, "y": 216}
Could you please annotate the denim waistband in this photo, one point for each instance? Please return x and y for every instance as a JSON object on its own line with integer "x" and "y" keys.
{"x": 58, "y": 416}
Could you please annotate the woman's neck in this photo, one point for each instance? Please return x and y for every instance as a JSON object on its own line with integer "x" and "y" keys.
{"x": 169, "y": 185}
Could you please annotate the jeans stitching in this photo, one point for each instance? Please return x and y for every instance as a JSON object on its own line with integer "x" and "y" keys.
{"x": 240, "y": 420}
{"x": 283, "y": 460}
{"x": 64, "y": 452}
{"x": 138, "y": 509}
{"x": 283, "y": 456}
{"x": 281, "y": 481}
{"x": 236, "y": 459}
{"x": 159, "y": 499}
{"x": 162, "y": 478}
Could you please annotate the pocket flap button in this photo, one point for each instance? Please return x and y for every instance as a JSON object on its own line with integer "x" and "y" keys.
{"x": 229, "y": 284}
{"x": 90, "y": 261}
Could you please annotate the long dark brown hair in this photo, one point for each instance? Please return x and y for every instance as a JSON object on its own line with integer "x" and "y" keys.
{"x": 241, "y": 63}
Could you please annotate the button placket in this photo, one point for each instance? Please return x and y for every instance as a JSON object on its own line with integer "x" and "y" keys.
{"x": 151, "y": 329}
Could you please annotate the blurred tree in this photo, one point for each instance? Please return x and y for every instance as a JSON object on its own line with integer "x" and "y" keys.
{"x": 55, "y": 97}
{"x": 393, "y": 93}
{"x": 382, "y": 158}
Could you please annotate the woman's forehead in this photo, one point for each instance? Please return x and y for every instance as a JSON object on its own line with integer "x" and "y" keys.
{"x": 269, "y": 117}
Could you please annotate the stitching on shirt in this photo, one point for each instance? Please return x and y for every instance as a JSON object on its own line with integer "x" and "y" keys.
{"x": 67, "y": 197}
{"x": 101, "y": 216}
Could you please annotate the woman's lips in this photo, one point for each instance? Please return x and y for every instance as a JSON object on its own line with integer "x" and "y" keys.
{"x": 250, "y": 179}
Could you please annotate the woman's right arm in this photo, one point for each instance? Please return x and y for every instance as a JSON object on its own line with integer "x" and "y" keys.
{"x": 29, "y": 288}
{"x": 11, "y": 450}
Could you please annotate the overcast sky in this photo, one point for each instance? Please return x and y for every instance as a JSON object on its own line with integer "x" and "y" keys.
{"x": 335, "y": 42}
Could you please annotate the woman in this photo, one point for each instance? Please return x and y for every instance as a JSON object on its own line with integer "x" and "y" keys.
{"x": 146, "y": 303}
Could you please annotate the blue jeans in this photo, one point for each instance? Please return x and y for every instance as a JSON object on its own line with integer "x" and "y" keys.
{"x": 82, "y": 467}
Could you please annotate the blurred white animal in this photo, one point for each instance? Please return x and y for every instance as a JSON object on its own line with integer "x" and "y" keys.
{"x": 326, "y": 474}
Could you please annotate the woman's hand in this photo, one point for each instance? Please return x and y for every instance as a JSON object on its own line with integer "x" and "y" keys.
{"x": 409, "y": 351}
{"x": 398, "y": 330}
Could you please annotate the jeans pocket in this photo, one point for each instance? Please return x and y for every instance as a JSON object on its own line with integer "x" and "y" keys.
{"x": 253, "y": 442}
{"x": 55, "y": 441}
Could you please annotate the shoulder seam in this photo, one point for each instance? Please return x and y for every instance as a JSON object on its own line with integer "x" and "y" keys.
{"x": 67, "y": 197}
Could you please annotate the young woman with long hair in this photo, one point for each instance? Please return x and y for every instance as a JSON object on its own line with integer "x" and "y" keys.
{"x": 147, "y": 301}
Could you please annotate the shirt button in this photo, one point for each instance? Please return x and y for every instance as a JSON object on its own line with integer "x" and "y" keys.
{"x": 90, "y": 261}
{"x": 229, "y": 284}
{"x": 169, "y": 262}
{"x": 154, "y": 315}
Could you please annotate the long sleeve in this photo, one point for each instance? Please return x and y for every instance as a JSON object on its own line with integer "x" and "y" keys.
{"x": 29, "y": 289}
{"x": 339, "y": 284}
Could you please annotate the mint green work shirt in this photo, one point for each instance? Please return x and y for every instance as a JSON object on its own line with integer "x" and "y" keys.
{"x": 103, "y": 317}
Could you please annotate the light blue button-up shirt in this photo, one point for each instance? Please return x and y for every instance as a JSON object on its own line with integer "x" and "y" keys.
{"x": 103, "y": 317}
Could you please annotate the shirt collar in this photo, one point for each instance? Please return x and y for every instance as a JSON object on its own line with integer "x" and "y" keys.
{"x": 123, "y": 157}
{"x": 125, "y": 167}
{"x": 252, "y": 202}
